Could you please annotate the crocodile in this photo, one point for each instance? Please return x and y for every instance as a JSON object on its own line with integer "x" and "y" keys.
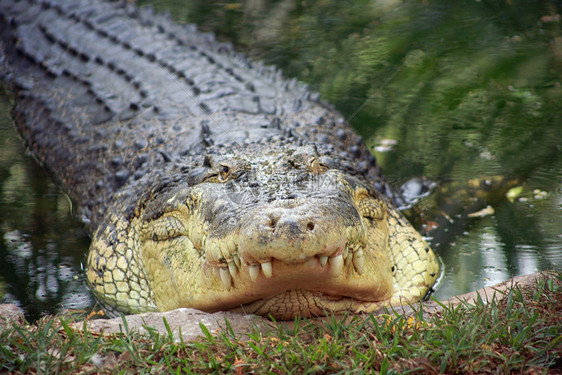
{"x": 205, "y": 179}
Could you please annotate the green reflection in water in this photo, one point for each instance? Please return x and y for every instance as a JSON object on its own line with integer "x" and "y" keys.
{"x": 41, "y": 244}
{"x": 464, "y": 93}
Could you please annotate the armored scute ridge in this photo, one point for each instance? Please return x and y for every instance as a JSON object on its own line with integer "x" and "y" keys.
{"x": 205, "y": 179}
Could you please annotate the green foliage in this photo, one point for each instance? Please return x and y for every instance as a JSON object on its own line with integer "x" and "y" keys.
{"x": 443, "y": 78}
{"x": 465, "y": 86}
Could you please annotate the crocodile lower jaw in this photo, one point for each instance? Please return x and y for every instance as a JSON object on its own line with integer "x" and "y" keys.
{"x": 306, "y": 303}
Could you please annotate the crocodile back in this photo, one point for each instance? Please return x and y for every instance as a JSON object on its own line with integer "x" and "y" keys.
{"x": 111, "y": 98}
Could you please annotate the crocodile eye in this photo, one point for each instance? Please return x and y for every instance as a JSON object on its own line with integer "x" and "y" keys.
{"x": 224, "y": 172}
{"x": 316, "y": 166}
{"x": 221, "y": 174}
{"x": 312, "y": 162}
{"x": 303, "y": 161}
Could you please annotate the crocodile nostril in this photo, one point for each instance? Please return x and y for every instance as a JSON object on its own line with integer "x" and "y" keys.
{"x": 310, "y": 226}
{"x": 272, "y": 222}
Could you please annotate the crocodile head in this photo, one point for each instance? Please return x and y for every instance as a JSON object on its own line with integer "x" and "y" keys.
{"x": 286, "y": 233}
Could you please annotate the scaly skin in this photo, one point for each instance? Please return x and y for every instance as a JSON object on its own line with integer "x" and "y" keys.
{"x": 310, "y": 240}
{"x": 205, "y": 180}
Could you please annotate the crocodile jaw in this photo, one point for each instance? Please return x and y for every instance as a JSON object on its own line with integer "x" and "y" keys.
{"x": 250, "y": 285}
{"x": 322, "y": 247}
{"x": 310, "y": 304}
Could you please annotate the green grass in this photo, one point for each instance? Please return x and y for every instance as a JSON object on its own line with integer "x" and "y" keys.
{"x": 519, "y": 333}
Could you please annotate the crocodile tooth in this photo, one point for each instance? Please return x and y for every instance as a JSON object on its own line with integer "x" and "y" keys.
{"x": 267, "y": 269}
{"x": 232, "y": 269}
{"x": 236, "y": 260}
{"x": 225, "y": 278}
{"x": 231, "y": 245}
{"x": 224, "y": 251}
{"x": 336, "y": 264}
{"x": 254, "y": 271}
{"x": 203, "y": 242}
{"x": 323, "y": 260}
{"x": 347, "y": 254}
{"x": 359, "y": 261}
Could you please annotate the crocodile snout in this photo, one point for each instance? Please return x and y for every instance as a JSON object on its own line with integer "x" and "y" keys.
{"x": 295, "y": 233}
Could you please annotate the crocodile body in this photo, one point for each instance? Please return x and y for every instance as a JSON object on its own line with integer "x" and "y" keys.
{"x": 205, "y": 179}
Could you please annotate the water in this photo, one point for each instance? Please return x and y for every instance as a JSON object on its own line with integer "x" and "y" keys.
{"x": 41, "y": 244}
{"x": 464, "y": 94}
